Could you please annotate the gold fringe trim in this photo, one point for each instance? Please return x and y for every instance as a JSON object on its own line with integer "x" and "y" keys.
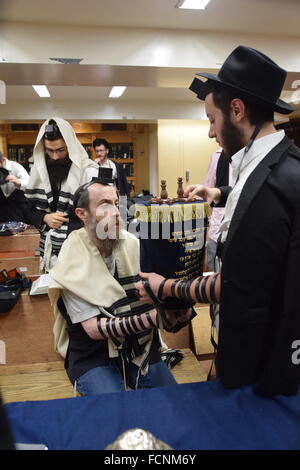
{"x": 176, "y": 212}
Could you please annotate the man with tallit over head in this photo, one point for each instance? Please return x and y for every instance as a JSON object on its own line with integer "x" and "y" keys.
{"x": 60, "y": 167}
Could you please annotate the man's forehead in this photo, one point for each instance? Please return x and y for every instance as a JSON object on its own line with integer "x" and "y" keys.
{"x": 209, "y": 102}
{"x": 54, "y": 143}
{"x": 101, "y": 191}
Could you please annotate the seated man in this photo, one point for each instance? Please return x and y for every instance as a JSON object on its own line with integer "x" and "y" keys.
{"x": 13, "y": 181}
{"x": 111, "y": 343}
{"x": 60, "y": 166}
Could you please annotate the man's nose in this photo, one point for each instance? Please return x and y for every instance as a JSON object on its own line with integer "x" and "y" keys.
{"x": 211, "y": 133}
{"x": 117, "y": 212}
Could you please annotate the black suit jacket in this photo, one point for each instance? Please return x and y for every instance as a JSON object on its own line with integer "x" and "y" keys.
{"x": 16, "y": 208}
{"x": 222, "y": 170}
{"x": 259, "y": 308}
{"x": 123, "y": 186}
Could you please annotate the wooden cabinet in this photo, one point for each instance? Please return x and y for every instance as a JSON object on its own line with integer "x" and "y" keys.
{"x": 123, "y": 154}
{"x": 19, "y": 153}
{"x": 18, "y": 140}
{"x": 17, "y": 145}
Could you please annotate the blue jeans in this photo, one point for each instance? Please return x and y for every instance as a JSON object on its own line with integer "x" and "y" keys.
{"x": 107, "y": 379}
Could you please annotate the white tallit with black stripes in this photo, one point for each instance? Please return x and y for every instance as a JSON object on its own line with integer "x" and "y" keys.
{"x": 80, "y": 269}
{"x": 39, "y": 188}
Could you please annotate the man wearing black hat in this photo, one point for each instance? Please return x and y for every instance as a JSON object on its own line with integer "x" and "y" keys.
{"x": 259, "y": 249}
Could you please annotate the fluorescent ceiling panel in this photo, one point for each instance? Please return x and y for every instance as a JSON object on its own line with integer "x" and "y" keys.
{"x": 41, "y": 90}
{"x": 193, "y": 4}
{"x": 117, "y": 91}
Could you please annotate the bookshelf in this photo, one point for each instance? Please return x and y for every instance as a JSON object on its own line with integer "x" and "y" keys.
{"x": 122, "y": 153}
{"x": 18, "y": 140}
{"x": 19, "y": 153}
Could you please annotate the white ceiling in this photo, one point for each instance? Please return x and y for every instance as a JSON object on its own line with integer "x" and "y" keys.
{"x": 24, "y": 93}
{"x": 279, "y": 17}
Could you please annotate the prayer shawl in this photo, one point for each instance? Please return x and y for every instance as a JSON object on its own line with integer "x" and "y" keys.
{"x": 80, "y": 269}
{"x": 39, "y": 191}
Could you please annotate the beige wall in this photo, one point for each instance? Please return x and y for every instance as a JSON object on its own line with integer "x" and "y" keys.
{"x": 142, "y": 160}
{"x": 183, "y": 145}
{"x": 153, "y": 157}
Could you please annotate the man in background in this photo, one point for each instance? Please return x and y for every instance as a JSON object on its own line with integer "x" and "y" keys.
{"x": 218, "y": 174}
{"x": 13, "y": 182}
{"x": 103, "y": 149}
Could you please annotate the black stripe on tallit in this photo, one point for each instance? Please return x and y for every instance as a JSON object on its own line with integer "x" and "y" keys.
{"x": 129, "y": 279}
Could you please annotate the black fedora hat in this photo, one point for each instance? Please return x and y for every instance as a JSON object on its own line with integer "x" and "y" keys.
{"x": 254, "y": 75}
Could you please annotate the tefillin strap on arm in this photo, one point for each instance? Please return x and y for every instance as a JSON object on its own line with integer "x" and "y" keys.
{"x": 202, "y": 291}
{"x": 125, "y": 326}
{"x": 149, "y": 291}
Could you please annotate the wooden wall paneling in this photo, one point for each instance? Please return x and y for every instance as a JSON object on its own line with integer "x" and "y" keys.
{"x": 20, "y": 242}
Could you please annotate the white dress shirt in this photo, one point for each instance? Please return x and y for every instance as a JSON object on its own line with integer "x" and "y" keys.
{"x": 217, "y": 213}
{"x": 19, "y": 172}
{"x": 93, "y": 172}
{"x": 242, "y": 167}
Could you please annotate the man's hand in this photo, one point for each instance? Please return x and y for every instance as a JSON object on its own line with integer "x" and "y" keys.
{"x": 14, "y": 180}
{"x": 209, "y": 194}
{"x": 181, "y": 315}
{"x": 171, "y": 318}
{"x": 154, "y": 281}
{"x": 55, "y": 219}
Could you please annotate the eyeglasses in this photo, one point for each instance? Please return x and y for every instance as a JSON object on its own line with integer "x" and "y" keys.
{"x": 59, "y": 151}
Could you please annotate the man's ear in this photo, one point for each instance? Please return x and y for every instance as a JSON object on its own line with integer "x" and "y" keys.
{"x": 82, "y": 214}
{"x": 238, "y": 110}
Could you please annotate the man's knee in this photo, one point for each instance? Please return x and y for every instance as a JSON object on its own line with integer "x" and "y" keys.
{"x": 100, "y": 380}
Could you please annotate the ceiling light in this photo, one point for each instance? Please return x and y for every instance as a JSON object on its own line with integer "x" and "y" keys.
{"x": 193, "y": 4}
{"x": 117, "y": 91}
{"x": 41, "y": 90}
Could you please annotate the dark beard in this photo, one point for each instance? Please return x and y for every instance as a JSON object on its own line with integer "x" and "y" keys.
{"x": 58, "y": 170}
{"x": 232, "y": 137}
